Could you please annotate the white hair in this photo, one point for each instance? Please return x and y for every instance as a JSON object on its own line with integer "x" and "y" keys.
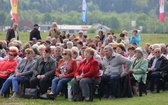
{"x": 70, "y": 42}
{"x": 75, "y": 48}
{"x": 35, "y": 46}
{"x": 41, "y": 47}
{"x": 52, "y": 47}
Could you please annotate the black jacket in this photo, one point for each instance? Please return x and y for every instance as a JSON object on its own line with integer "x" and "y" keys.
{"x": 161, "y": 64}
{"x": 35, "y": 33}
{"x": 11, "y": 34}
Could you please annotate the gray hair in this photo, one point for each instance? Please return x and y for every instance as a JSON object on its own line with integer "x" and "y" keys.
{"x": 154, "y": 46}
{"x": 110, "y": 48}
{"x": 70, "y": 42}
{"x": 162, "y": 45}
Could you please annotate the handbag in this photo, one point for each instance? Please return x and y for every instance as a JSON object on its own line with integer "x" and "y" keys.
{"x": 31, "y": 93}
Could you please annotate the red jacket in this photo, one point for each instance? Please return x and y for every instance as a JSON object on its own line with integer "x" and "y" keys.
{"x": 71, "y": 67}
{"x": 90, "y": 70}
{"x": 9, "y": 66}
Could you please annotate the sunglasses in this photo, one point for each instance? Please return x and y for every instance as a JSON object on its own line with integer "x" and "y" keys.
{"x": 46, "y": 51}
{"x": 11, "y": 54}
{"x": 27, "y": 53}
{"x": 157, "y": 52}
{"x": 64, "y": 53}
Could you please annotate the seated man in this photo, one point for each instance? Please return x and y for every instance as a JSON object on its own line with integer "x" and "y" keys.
{"x": 157, "y": 65}
{"x": 113, "y": 66}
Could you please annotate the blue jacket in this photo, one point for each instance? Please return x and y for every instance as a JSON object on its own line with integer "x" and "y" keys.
{"x": 135, "y": 40}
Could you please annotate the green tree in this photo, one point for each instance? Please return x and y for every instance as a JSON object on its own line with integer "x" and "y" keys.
{"x": 2, "y": 18}
{"x": 46, "y": 17}
{"x": 142, "y": 20}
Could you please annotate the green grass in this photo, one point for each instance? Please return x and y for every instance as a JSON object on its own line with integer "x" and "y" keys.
{"x": 145, "y": 38}
{"x": 152, "y": 99}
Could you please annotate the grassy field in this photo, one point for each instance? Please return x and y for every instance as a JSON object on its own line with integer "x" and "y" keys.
{"x": 152, "y": 99}
{"x": 145, "y": 38}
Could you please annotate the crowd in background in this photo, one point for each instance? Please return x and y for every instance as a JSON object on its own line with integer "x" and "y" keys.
{"x": 61, "y": 58}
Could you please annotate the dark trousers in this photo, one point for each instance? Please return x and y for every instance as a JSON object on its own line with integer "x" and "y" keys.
{"x": 113, "y": 80}
{"x": 153, "y": 77}
{"x": 43, "y": 83}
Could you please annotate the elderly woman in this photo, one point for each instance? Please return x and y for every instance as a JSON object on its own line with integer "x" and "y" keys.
{"x": 22, "y": 71}
{"x": 69, "y": 44}
{"x": 52, "y": 50}
{"x": 64, "y": 72}
{"x": 131, "y": 52}
{"x": 121, "y": 50}
{"x": 138, "y": 69}
{"x": 41, "y": 49}
{"x": 57, "y": 53}
{"x": 87, "y": 71}
{"x": 43, "y": 72}
{"x": 8, "y": 65}
{"x": 76, "y": 56}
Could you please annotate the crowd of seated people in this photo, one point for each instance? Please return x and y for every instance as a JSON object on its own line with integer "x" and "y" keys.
{"x": 104, "y": 61}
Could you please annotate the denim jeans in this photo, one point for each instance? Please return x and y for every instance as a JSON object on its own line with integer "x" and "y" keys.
{"x": 57, "y": 84}
{"x": 11, "y": 80}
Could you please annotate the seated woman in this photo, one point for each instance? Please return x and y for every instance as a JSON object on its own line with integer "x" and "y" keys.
{"x": 76, "y": 56}
{"x": 22, "y": 71}
{"x": 8, "y": 65}
{"x": 87, "y": 71}
{"x": 138, "y": 69}
{"x": 43, "y": 72}
{"x": 64, "y": 72}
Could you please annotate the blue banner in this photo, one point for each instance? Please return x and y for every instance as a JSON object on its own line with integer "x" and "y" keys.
{"x": 84, "y": 12}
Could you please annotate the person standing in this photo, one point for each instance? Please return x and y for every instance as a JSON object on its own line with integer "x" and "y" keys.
{"x": 135, "y": 39}
{"x": 54, "y": 31}
{"x": 35, "y": 33}
{"x": 12, "y": 33}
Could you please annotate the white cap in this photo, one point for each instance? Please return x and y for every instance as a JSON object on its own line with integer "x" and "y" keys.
{"x": 140, "y": 50}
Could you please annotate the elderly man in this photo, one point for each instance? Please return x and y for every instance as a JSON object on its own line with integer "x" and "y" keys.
{"x": 157, "y": 65}
{"x": 12, "y": 33}
{"x": 114, "y": 69}
{"x": 54, "y": 31}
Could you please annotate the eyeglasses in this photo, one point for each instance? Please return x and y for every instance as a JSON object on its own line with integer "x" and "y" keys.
{"x": 64, "y": 53}
{"x": 157, "y": 52}
{"x": 11, "y": 54}
{"x": 27, "y": 53}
